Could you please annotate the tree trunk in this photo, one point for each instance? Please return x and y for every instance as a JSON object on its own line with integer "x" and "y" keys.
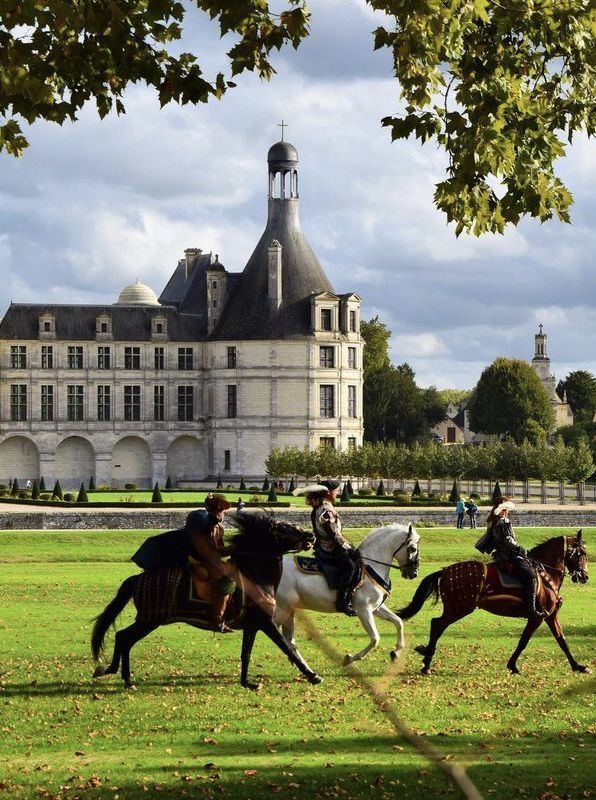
{"x": 526, "y": 490}
{"x": 543, "y": 491}
{"x": 562, "y": 492}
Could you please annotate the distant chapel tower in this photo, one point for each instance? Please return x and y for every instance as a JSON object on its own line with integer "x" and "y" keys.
{"x": 541, "y": 365}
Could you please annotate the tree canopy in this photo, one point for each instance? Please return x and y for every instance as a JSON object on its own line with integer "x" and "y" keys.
{"x": 509, "y": 399}
{"x": 395, "y": 408}
{"x": 580, "y": 388}
{"x": 502, "y": 87}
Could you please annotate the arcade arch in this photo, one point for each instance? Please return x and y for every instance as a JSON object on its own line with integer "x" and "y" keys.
{"x": 131, "y": 463}
{"x": 19, "y": 458}
{"x": 74, "y": 462}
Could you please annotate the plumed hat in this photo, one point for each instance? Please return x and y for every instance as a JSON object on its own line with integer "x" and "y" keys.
{"x": 506, "y": 505}
{"x": 322, "y": 487}
{"x": 216, "y": 504}
{"x": 312, "y": 488}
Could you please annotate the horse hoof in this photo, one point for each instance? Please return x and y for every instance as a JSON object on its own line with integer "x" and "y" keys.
{"x": 513, "y": 669}
{"x": 394, "y": 655}
{"x": 348, "y": 658}
{"x": 254, "y": 687}
{"x": 130, "y": 686}
{"x": 420, "y": 649}
{"x": 315, "y": 679}
{"x": 582, "y": 668}
{"x": 99, "y": 671}
{"x": 425, "y": 671}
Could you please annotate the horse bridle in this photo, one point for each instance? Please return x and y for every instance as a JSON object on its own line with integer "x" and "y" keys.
{"x": 391, "y": 565}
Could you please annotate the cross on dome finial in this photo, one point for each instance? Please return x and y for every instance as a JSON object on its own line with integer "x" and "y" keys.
{"x": 282, "y": 125}
{"x": 540, "y": 328}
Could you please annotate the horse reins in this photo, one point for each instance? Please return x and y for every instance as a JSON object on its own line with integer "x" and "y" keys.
{"x": 384, "y": 563}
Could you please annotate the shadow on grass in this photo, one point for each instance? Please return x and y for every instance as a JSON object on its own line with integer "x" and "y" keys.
{"x": 344, "y": 767}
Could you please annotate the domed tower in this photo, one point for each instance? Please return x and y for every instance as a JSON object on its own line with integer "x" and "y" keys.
{"x": 272, "y": 299}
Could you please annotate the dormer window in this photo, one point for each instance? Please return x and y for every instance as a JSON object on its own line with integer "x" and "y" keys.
{"x": 326, "y": 319}
{"x": 103, "y": 326}
{"x": 47, "y": 326}
{"x": 159, "y": 327}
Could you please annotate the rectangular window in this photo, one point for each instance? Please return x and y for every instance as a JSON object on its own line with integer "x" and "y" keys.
{"x": 351, "y": 401}
{"x": 351, "y": 357}
{"x": 232, "y": 402}
{"x": 18, "y": 356}
{"x": 74, "y": 357}
{"x": 326, "y": 356}
{"x": 104, "y": 403}
{"x": 352, "y": 321}
{"x": 159, "y": 403}
{"x": 47, "y": 356}
{"x": 103, "y": 358}
{"x": 327, "y": 401}
{"x": 326, "y": 319}
{"x": 159, "y": 361}
{"x": 74, "y": 403}
{"x": 132, "y": 358}
{"x": 327, "y": 442}
{"x": 185, "y": 403}
{"x": 351, "y": 442}
{"x": 227, "y": 460}
{"x": 185, "y": 358}
{"x": 47, "y": 403}
{"x": 132, "y": 403}
{"x": 18, "y": 402}
{"x": 231, "y": 358}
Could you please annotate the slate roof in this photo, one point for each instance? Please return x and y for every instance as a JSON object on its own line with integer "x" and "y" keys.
{"x": 247, "y": 313}
{"x": 78, "y": 322}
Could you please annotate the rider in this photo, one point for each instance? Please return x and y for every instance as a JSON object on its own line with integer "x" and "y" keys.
{"x": 501, "y": 542}
{"x": 207, "y": 545}
{"x": 332, "y": 550}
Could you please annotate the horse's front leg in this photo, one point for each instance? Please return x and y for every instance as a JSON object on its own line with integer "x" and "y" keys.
{"x": 384, "y": 613}
{"x": 365, "y": 615}
{"x": 269, "y": 629}
{"x": 248, "y": 640}
{"x": 532, "y": 626}
{"x": 557, "y": 631}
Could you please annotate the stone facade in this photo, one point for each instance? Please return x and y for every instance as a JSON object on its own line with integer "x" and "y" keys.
{"x": 203, "y": 381}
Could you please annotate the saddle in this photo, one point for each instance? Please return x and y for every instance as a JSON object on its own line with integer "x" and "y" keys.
{"x": 310, "y": 566}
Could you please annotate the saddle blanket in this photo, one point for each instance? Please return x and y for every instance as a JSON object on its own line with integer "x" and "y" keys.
{"x": 311, "y": 566}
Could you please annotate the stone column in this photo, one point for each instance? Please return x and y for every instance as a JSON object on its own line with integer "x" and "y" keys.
{"x": 159, "y": 467}
{"x": 103, "y": 469}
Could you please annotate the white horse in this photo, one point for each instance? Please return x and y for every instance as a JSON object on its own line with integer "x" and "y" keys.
{"x": 298, "y": 589}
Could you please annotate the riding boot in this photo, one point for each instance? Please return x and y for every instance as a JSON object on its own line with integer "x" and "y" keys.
{"x": 218, "y": 612}
{"x": 342, "y": 604}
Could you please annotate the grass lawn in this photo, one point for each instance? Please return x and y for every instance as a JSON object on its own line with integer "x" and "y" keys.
{"x": 191, "y": 731}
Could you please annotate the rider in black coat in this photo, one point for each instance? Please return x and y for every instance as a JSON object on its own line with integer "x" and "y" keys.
{"x": 500, "y": 540}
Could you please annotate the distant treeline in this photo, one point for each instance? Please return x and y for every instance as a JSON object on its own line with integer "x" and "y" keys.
{"x": 494, "y": 461}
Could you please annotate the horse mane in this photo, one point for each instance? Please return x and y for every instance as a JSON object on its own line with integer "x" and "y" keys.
{"x": 380, "y": 533}
{"x": 542, "y": 544}
{"x": 254, "y": 530}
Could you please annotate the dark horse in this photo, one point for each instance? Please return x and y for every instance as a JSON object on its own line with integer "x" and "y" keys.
{"x": 468, "y": 585}
{"x": 163, "y": 596}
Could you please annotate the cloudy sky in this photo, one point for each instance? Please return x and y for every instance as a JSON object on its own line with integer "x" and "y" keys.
{"x": 92, "y": 206}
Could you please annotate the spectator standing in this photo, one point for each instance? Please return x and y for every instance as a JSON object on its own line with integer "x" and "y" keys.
{"x": 460, "y": 510}
{"x": 472, "y": 512}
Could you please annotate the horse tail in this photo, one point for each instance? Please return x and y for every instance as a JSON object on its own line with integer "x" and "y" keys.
{"x": 110, "y": 614}
{"x": 427, "y": 587}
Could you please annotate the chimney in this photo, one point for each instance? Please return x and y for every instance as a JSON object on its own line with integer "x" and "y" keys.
{"x": 274, "y": 274}
{"x": 191, "y": 255}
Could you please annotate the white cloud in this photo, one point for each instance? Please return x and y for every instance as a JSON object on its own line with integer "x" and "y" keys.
{"x": 93, "y": 205}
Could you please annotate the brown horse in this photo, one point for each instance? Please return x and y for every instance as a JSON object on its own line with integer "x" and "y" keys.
{"x": 468, "y": 585}
{"x": 163, "y": 596}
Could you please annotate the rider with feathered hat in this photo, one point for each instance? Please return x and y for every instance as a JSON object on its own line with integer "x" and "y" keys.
{"x": 332, "y": 550}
